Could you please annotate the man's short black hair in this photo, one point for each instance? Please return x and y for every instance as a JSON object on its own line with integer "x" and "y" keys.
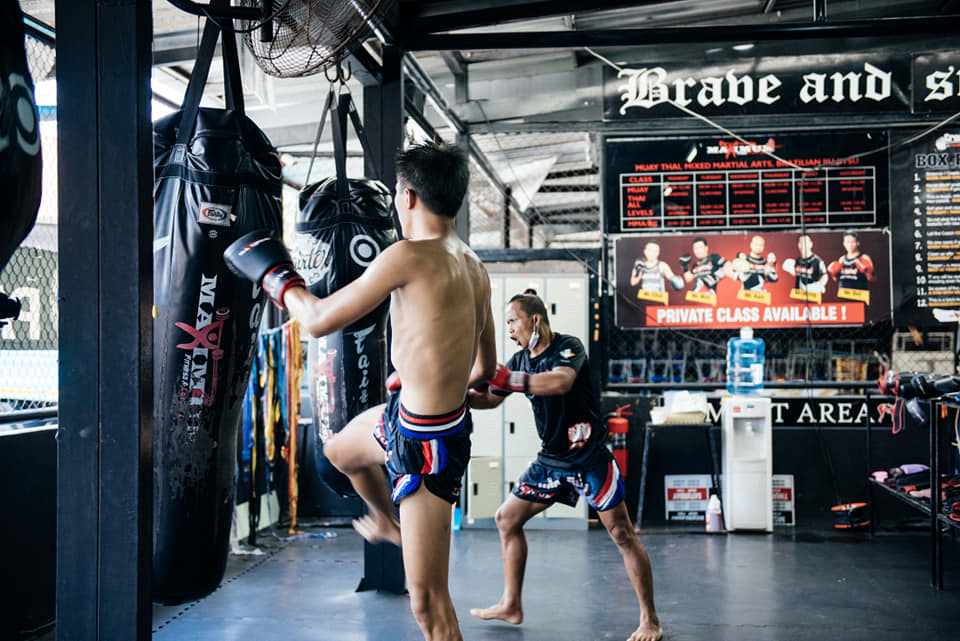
{"x": 699, "y": 239}
{"x": 437, "y": 173}
{"x": 531, "y": 304}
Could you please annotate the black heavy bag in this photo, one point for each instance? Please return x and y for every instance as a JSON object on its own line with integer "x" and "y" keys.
{"x": 343, "y": 224}
{"x": 19, "y": 142}
{"x": 217, "y": 178}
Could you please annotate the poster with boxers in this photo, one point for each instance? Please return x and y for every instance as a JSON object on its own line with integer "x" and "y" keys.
{"x": 761, "y": 279}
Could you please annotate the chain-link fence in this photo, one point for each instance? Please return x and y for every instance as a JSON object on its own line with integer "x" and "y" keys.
{"x": 546, "y": 195}
{"x": 28, "y": 344}
{"x": 552, "y": 184}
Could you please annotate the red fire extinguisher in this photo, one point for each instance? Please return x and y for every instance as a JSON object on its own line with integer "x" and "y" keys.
{"x": 617, "y": 427}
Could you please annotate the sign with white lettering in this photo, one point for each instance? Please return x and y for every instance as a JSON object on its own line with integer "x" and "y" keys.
{"x": 686, "y": 496}
{"x": 850, "y": 412}
{"x": 716, "y": 182}
{"x": 936, "y": 82}
{"x": 765, "y": 279}
{"x": 926, "y": 230}
{"x": 827, "y": 84}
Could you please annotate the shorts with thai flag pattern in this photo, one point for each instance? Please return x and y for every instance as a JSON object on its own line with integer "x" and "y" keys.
{"x": 433, "y": 450}
{"x": 598, "y": 480}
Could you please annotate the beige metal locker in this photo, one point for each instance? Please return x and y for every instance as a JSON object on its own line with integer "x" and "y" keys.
{"x": 566, "y": 299}
{"x": 520, "y": 436}
{"x": 484, "y": 487}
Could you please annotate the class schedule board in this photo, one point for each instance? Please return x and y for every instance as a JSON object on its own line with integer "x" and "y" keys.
{"x": 926, "y": 230}
{"x": 832, "y": 179}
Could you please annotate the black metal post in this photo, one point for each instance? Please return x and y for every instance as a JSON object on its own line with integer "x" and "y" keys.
{"x": 383, "y": 122}
{"x": 104, "y": 458}
{"x": 933, "y": 424}
{"x": 507, "y": 194}
{"x": 937, "y": 568}
{"x": 866, "y": 425}
{"x": 463, "y": 214}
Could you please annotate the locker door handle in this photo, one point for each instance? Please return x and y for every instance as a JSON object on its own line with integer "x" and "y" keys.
{"x": 476, "y": 489}
{"x": 512, "y": 427}
{"x": 511, "y": 486}
{"x": 553, "y": 309}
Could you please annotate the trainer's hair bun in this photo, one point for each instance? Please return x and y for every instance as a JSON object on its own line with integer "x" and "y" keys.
{"x": 530, "y": 291}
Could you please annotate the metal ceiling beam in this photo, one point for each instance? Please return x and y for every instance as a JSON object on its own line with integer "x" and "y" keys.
{"x": 920, "y": 26}
{"x": 426, "y": 18}
{"x": 424, "y": 83}
{"x": 39, "y": 30}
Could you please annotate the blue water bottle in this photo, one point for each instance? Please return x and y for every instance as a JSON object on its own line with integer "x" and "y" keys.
{"x": 745, "y": 361}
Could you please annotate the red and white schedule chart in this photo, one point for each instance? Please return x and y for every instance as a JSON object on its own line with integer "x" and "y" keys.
{"x": 833, "y": 179}
{"x": 773, "y": 197}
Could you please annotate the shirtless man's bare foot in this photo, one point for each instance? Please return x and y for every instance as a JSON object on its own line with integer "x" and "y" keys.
{"x": 500, "y": 611}
{"x": 378, "y": 530}
{"x": 648, "y": 631}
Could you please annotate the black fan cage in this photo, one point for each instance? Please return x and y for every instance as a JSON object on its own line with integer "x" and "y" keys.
{"x": 303, "y": 37}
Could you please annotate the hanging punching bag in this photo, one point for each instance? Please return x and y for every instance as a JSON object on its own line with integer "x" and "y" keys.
{"x": 217, "y": 178}
{"x": 19, "y": 144}
{"x": 343, "y": 224}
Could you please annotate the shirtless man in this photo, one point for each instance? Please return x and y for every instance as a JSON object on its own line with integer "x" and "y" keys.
{"x": 443, "y": 341}
{"x": 551, "y": 369}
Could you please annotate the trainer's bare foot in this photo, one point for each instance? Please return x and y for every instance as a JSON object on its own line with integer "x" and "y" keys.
{"x": 500, "y": 611}
{"x": 378, "y": 530}
{"x": 648, "y": 631}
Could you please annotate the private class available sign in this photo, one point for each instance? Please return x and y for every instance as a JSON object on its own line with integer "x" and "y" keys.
{"x": 761, "y": 279}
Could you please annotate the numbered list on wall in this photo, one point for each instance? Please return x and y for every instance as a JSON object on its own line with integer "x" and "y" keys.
{"x": 926, "y": 232}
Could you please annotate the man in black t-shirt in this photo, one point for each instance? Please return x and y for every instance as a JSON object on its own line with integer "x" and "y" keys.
{"x": 809, "y": 270}
{"x": 704, "y": 272}
{"x": 854, "y": 269}
{"x": 552, "y": 371}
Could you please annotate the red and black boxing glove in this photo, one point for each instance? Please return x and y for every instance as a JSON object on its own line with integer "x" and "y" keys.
{"x": 507, "y": 380}
{"x": 865, "y": 264}
{"x": 393, "y": 382}
{"x": 263, "y": 259}
{"x": 834, "y": 269}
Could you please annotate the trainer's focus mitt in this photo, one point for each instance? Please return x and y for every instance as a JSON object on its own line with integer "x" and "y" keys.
{"x": 507, "y": 380}
{"x": 263, "y": 259}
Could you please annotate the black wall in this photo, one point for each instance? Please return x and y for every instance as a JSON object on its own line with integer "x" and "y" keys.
{"x": 828, "y": 465}
{"x": 28, "y": 476}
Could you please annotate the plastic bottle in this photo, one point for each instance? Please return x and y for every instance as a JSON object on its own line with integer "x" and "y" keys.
{"x": 745, "y": 363}
{"x": 714, "y": 520}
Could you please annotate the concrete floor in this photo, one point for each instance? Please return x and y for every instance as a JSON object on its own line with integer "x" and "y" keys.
{"x": 788, "y": 586}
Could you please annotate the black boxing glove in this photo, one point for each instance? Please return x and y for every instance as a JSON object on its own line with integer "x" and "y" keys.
{"x": 685, "y": 262}
{"x": 263, "y": 259}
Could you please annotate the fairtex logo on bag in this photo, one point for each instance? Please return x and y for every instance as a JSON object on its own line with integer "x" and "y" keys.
{"x": 214, "y": 214}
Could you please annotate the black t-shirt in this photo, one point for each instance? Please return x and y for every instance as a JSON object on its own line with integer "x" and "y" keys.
{"x": 850, "y": 275}
{"x": 809, "y": 270}
{"x": 569, "y": 424}
{"x": 705, "y": 272}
